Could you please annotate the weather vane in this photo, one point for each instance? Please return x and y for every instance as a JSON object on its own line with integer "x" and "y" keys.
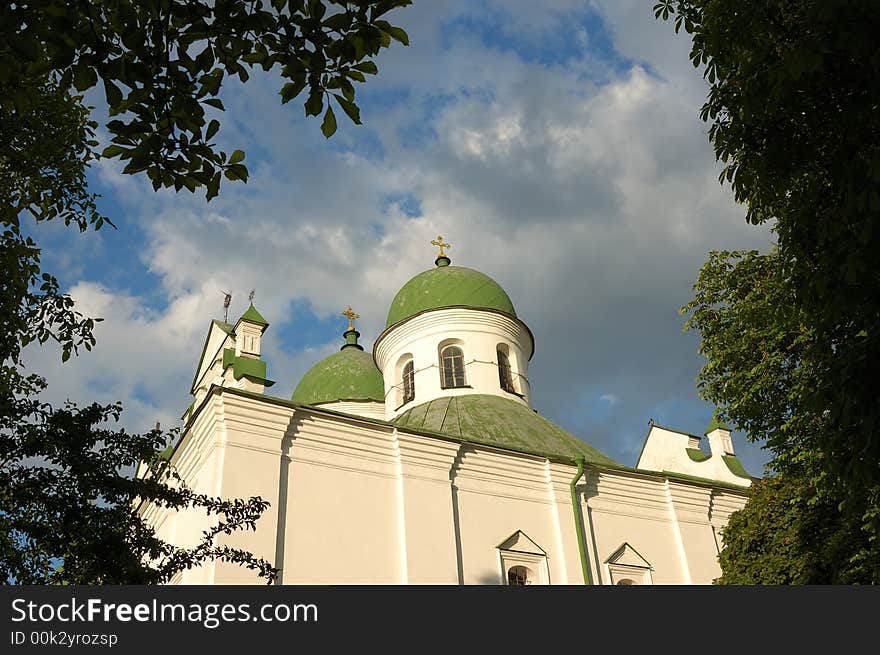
{"x": 251, "y": 295}
{"x": 351, "y": 316}
{"x": 227, "y": 300}
{"x": 439, "y": 243}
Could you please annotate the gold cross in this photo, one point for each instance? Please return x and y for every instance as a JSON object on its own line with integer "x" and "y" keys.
{"x": 439, "y": 243}
{"x": 351, "y": 316}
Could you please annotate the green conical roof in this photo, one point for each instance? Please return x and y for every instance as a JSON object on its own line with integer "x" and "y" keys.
{"x": 448, "y": 286}
{"x": 253, "y": 316}
{"x": 715, "y": 424}
{"x": 349, "y": 374}
{"x": 500, "y": 422}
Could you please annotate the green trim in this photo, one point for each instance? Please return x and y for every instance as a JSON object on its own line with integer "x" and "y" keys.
{"x": 253, "y": 369}
{"x": 619, "y": 468}
{"x": 697, "y": 455}
{"x": 578, "y": 521}
{"x": 735, "y": 466}
{"x": 252, "y": 315}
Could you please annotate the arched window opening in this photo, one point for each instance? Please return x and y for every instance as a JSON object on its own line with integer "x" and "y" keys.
{"x": 625, "y": 582}
{"x": 505, "y": 375}
{"x": 409, "y": 382}
{"x": 518, "y": 576}
{"x": 452, "y": 367}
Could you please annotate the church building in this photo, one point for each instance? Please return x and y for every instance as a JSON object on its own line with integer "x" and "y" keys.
{"x": 424, "y": 461}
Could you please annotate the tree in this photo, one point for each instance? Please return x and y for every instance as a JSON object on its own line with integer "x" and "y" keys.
{"x": 801, "y": 527}
{"x": 68, "y": 507}
{"x": 792, "y": 107}
{"x": 781, "y": 538}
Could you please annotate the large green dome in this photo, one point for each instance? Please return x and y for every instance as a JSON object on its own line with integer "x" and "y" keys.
{"x": 498, "y": 422}
{"x": 448, "y": 286}
{"x": 349, "y": 374}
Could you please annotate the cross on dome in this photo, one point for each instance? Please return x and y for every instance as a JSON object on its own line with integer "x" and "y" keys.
{"x": 439, "y": 243}
{"x": 351, "y": 316}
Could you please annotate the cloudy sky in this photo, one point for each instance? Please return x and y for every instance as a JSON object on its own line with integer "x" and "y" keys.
{"x": 557, "y": 145}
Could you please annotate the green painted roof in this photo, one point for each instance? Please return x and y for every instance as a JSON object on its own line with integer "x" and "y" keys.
{"x": 500, "y": 422}
{"x": 697, "y": 455}
{"x": 253, "y": 316}
{"x": 448, "y": 286}
{"x": 349, "y": 374}
{"x": 715, "y": 424}
{"x": 253, "y": 368}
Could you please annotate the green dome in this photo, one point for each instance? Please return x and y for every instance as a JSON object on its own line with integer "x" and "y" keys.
{"x": 498, "y": 422}
{"x": 349, "y": 374}
{"x": 448, "y": 286}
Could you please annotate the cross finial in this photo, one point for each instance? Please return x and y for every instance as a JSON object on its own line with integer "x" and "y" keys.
{"x": 251, "y": 295}
{"x": 351, "y": 316}
{"x": 439, "y": 243}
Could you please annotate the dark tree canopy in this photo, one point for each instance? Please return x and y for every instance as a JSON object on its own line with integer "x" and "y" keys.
{"x": 161, "y": 64}
{"x": 793, "y": 115}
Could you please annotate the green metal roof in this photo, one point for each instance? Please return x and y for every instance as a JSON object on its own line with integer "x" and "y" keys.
{"x": 253, "y": 316}
{"x": 349, "y": 374}
{"x": 500, "y": 422}
{"x": 715, "y": 424}
{"x": 448, "y": 286}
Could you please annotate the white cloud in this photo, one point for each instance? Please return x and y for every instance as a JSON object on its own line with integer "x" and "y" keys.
{"x": 594, "y": 206}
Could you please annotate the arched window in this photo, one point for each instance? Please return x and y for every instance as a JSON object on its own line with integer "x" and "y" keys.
{"x": 625, "y": 582}
{"x": 409, "y": 382}
{"x": 452, "y": 367}
{"x": 505, "y": 376}
{"x": 518, "y": 576}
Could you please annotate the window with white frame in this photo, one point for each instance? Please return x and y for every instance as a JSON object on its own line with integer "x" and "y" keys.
{"x": 625, "y": 566}
{"x": 505, "y": 373}
{"x": 452, "y": 367}
{"x": 523, "y": 562}
{"x": 409, "y": 382}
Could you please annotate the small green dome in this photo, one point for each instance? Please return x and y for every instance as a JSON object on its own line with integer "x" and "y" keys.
{"x": 448, "y": 286}
{"x": 349, "y": 374}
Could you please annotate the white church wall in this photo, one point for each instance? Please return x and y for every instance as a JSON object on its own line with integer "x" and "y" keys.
{"x": 634, "y": 509}
{"x": 429, "y": 521}
{"x": 360, "y": 502}
{"x": 498, "y": 494}
{"x": 478, "y": 333}
{"x": 342, "y": 515}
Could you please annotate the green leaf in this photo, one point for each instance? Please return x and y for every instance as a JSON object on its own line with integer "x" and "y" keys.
{"x": 237, "y": 156}
{"x": 367, "y": 67}
{"x": 397, "y": 34}
{"x": 328, "y": 127}
{"x": 349, "y": 108}
{"x": 84, "y": 77}
{"x": 292, "y": 89}
{"x": 113, "y": 151}
{"x": 213, "y": 126}
{"x": 315, "y": 103}
{"x": 113, "y": 94}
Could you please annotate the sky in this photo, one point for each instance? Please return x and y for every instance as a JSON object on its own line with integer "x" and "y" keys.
{"x": 556, "y": 145}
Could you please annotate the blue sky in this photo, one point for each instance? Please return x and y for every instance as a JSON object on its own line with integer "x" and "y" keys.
{"x": 557, "y": 145}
